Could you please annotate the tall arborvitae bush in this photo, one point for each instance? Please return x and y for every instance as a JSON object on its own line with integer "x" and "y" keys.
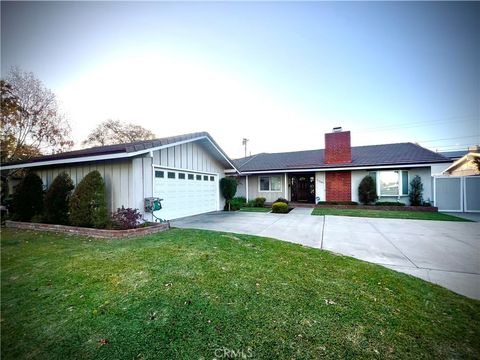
{"x": 56, "y": 205}
{"x": 28, "y": 198}
{"x": 367, "y": 192}
{"x": 416, "y": 191}
{"x": 88, "y": 205}
{"x": 228, "y": 187}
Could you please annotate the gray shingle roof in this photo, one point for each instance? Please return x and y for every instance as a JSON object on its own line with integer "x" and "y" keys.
{"x": 117, "y": 149}
{"x": 372, "y": 155}
{"x": 454, "y": 155}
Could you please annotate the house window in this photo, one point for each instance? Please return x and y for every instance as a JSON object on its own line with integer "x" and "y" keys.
{"x": 205, "y": 177}
{"x": 159, "y": 174}
{"x": 199, "y": 177}
{"x": 171, "y": 175}
{"x": 393, "y": 183}
{"x": 181, "y": 176}
{"x": 270, "y": 183}
{"x": 190, "y": 176}
{"x": 212, "y": 178}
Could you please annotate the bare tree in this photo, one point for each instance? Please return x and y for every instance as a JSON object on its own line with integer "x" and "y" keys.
{"x": 31, "y": 123}
{"x": 116, "y": 132}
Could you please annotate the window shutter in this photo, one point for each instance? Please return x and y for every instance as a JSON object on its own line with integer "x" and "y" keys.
{"x": 404, "y": 182}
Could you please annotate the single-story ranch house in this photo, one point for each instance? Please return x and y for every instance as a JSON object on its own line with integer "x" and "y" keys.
{"x": 185, "y": 171}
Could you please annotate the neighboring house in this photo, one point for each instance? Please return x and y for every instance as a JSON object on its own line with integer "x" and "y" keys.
{"x": 183, "y": 170}
{"x": 454, "y": 155}
{"x": 334, "y": 173}
{"x": 465, "y": 165}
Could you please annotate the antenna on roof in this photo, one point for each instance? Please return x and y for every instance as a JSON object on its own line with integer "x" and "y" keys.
{"x": 337, "y": 129}
{"x": 244, "y": 143}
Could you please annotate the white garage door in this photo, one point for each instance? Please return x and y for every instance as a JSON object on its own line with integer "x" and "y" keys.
{"x": 184, "y": 193}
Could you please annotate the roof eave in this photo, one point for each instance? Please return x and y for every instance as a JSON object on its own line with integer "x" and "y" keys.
{"x": 349, "y": 167}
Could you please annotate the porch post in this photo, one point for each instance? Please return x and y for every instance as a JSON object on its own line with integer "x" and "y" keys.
{"x": 246, "y": 187}
{"x": 286, "y": 187}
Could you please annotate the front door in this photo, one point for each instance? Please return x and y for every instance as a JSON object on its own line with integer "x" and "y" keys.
{"x": 303, "y": 188}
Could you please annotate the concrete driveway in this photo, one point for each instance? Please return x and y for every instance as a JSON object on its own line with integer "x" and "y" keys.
{"x": 442, "y": 252}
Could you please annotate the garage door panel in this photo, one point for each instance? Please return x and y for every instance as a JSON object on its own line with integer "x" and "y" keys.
{"x": 184, "y": 196}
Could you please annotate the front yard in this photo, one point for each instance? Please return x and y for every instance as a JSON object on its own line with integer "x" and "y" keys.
{"x": 187, "y": 294}
{"x": 417, "y": 215}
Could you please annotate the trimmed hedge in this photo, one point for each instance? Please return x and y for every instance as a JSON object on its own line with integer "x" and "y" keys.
{"x": 88, "y": 206}
{"x": 282, "y": 200}
{"x": 389, "y": 203}
{"x": 259, "y": 201}
{"x": 57, "y": 200}
{"x": 337, "y": 203}
{"x": 236, "y": 203}
{"x": 367, "y": 192}
{"x": 279, "y": 207}
{"x": 28, "y": 198}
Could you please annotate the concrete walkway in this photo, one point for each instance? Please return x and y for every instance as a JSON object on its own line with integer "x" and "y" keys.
{"x": 442, "y": 252}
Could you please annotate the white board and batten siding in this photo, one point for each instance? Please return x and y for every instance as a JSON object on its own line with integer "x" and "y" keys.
{"x": 129, "y": 181}
{"x": 184, "y": 197}
{"x": 116, "y": 173}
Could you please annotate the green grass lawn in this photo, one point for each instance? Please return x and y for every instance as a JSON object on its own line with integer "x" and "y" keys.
{"x": 417, "y": 215}
{"x": 184, "y": 294}
{"x": 255, "y": 209}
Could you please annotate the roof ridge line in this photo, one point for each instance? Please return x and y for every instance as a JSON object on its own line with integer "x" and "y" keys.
{"x": 253, "y": 157}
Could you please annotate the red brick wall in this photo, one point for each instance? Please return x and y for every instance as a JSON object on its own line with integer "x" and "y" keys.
{"x": 337, "y": 148}
{"x": 338, "y": 185}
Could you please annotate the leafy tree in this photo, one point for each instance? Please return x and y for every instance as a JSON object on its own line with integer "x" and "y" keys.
{"x": 116, "y": 132}
{"x": 416, "y": 191}
{"x": 228, "y": 187}
{"x": 28, "y": 197}
{"x": 31, "y": 123}
{"x": 88, "y": 205}
{"x": 367, "y": 192}
{"x": 57, "y": 199}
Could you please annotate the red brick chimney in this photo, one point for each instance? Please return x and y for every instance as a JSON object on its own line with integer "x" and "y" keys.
{"x": 337, "y": 147}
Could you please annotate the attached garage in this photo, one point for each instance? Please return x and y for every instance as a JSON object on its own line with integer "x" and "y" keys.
{"x": 185, "y": 193}
{"x": 182, "y": 170}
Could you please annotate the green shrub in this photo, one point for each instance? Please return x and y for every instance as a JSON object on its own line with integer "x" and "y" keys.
{"x": 279, "y": 208}
{"x": 28, "y": 198}
{"x": 228, "y": 187}
{"x": 389, "y": 203}
{"x": 259, "y": 201}
{"x": 282, "y": 200}
{"x": 88, "y": 206}
{"x": 57, "y": 199}
{"x": 416, "y": 191}
{"x": 236, "y": 203}
{"x": 251, "y": 203}
{"x": 126, "y": 218}
{"x": 337, "y": 203}
{"x": 367, "y": 192}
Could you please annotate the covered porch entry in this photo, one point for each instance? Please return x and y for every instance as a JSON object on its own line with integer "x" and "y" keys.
{"x": 302, "y": 187}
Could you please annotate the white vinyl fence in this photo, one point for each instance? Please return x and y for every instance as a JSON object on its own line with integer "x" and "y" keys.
{"x": 457, "y": 193}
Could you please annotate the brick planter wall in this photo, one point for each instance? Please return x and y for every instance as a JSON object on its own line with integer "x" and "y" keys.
{"x": 96, "y": 233}
{"x": 380, "y": 207}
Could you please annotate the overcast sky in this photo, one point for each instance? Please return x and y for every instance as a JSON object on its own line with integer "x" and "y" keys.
{"x": 279, "y": 74}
